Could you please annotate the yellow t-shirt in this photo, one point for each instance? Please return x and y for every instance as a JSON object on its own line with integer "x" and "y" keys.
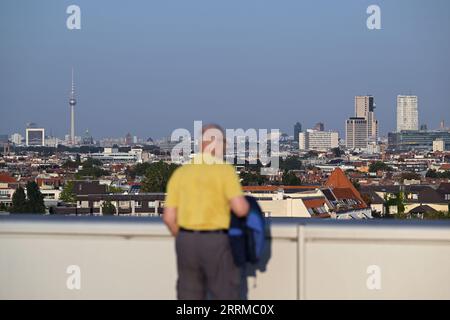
{"x": 201, "y": 192}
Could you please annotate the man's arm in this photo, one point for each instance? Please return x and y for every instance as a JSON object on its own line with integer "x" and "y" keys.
{"x": 170, "y": 219}
{"x": 240, "y": 206}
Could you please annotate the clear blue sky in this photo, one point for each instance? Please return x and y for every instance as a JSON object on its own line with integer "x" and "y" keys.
{"x": 148, "y": 67}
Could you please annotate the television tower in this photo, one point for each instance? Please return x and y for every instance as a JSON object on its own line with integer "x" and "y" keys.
{"x": 72, "y": 103}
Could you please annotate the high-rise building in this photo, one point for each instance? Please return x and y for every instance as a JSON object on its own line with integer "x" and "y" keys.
{"x": 438, "y": 145}
{"x": 128, "y": 139}
{"x": 16, "y": 138}
{"x": 319, "y": 126}
{"x": 409, "y": 140}
{"x": 297, "y": 130}
{"x": 365, "y": 108}
{"x": 52, "y": 142}
{"x": 35, "y": 137}
{"x": 87, "y": 140}
{"x": 72, "y": 103}
{"x": 407, "y": 113}
{"x": 356, "y": 133}
{"x": 318, "y": 140}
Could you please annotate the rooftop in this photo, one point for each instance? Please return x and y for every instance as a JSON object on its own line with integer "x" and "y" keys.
{"x": 133, "y": 258}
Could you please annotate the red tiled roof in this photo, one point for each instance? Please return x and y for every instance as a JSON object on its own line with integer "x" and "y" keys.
{"x": 314, "y": 203}
{"x": 134, "y": 183}
{"x": 347, "y": 194}
{"x": 338, "y": 180}
{"x": 275, "y": 188}
{"x": 445, "y": 166}
{"x": 322, "y": 215}
{"x": 6, "y": 178}
{"x": 344, "y": 193}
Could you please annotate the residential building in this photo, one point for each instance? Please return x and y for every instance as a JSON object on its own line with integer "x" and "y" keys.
{"x": 16, "y": 138}
{"x": 407, "y": 113}
{"x": 356, "y": 133}
{"x": 112, "y": 155}
{"x": 414, "y": 196}
{"x": 438, "y": 145}
{"x": 318, "y": 140}
{"x": 297, "y": 130}
{"x": 319, "y": 126}
{"x": 365, "y": 108}
{"x": 142, "y": 204}
{"x": 8, "y": 185}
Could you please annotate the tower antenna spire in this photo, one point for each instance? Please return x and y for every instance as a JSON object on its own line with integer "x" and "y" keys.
{"x": 73, "y": 86}
{"x": 72, "y": 103}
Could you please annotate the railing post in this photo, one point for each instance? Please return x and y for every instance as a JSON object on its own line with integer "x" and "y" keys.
{"x": 301, "y": 277}
{"x": 156, "y": 207}
{"x": 133, "y": 207}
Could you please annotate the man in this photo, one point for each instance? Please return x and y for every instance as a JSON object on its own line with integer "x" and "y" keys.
{"x": 197, "y": 212}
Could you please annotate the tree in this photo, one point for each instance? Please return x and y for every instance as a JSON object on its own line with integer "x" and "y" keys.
{"x": 3, "y": 207}
{"x": 400, "y": 197}
{"x": 290, "y": 179}
{"x": 252, "y": 179}
{"x": 91, "y": 162}
{"x": 157, "y": 176}
{"x": 138, "y": 170}
{"x": 19, "y": 201}
{"x": 397, "y": 199}
{"x": 409, "y": 176}
{"x": 67, "y": 194}
{"x": 337, "y": 152}
{"x": 379, "y": 166}
{"x": 35, "y": 203}
{"x": 437, "y": 175}
{"x": 431, "y": 174}
{"x": 91, "y": 168}
{"x": 113, "y": 189}
{"x": 386, "y": 204}
{"x": 108, "y": 208}
{"x": 290, "y": 163}
{"x": 69, "y": 164}
{"x": 356, "y": 184}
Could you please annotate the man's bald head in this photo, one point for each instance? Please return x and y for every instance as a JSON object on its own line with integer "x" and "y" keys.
{"x": 213, "y": 140}
{"x": 211, "y": 126}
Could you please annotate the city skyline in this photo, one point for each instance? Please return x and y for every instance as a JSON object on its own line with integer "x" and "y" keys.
{"x": 364, "y": 107}
{"x": 213, "y": 150}
{"x": 161, "y": 69}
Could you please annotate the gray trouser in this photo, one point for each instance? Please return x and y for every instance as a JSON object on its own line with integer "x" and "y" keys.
{"x": 205, "y": 266}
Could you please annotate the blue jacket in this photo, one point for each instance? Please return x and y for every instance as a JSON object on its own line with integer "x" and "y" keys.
{"x": 247, "y": 234}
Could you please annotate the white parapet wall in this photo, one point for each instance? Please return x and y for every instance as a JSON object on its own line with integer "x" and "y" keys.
{"x": 133, "y": 258}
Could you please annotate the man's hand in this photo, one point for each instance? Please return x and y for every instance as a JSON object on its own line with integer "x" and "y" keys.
{"x": 239, "y": 205}
{"x": 170, "y": 219}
